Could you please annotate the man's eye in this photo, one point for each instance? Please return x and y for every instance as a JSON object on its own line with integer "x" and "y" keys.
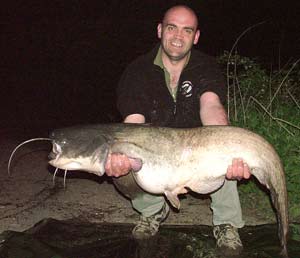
{"x": 188, "y": 31}
{"x": 170, "y": 28}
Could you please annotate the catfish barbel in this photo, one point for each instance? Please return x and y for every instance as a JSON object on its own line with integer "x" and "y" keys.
{"x": 175, "y": 160}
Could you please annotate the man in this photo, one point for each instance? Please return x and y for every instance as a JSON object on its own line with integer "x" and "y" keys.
{"x": 177, "y": 86}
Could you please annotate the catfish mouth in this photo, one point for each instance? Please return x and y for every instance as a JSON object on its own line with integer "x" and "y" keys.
{"x": 57, "y": 160}
{"x": 65, "y": 164}
{"x": 67, "y": 158}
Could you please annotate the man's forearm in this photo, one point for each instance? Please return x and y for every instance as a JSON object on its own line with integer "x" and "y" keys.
{"x": 214, "y": 115}
{"x": 212, "y": 111}
{"x": 135, "y": 118}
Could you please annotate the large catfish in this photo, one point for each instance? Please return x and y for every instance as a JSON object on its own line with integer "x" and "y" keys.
{"x": 175, "y": 161}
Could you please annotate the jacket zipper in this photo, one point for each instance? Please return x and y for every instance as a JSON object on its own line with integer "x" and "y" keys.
{"x": 174, "y": 108}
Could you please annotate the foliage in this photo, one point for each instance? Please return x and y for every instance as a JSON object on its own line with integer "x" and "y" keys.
{"x": 295, "y": 232}
{"x": 268, "y": 102}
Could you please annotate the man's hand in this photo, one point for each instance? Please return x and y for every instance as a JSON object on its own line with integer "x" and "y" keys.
{"x": 118, "y": 164}
{"x": 238, "y": 170}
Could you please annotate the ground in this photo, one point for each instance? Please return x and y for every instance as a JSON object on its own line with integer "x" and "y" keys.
{"x": 28, "y": 194}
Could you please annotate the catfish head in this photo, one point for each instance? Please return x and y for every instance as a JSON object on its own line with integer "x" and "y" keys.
{"x": 79, "y": 150}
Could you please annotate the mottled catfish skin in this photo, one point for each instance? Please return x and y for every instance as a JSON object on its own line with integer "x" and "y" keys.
{"x": 175, "y": 160}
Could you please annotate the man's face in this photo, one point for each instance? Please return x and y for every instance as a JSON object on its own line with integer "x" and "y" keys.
{"x": 178, "y": 33}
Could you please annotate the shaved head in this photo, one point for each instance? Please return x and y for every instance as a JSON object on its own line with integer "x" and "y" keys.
{"x": 180, "y": 10}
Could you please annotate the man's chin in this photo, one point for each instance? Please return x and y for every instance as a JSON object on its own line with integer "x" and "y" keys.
{"x": 177, "y": 57}
{"x": 175, "y": 54}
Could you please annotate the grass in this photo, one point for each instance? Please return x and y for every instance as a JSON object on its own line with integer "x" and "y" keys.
{"x": 268, "y": 103}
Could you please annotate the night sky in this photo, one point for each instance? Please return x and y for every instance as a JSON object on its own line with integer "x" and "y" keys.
{"x": 62, "y": 60}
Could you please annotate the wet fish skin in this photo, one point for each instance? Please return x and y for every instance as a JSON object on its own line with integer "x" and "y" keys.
{"x": 176, "y": 160}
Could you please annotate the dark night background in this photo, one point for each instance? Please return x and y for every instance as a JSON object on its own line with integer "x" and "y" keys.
{"x": 61, "y": 60}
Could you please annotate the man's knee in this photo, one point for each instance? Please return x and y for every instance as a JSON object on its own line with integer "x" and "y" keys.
{"x": 128, "y": 186}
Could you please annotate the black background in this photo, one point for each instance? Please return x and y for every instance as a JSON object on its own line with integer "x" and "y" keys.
{"x": 61, "y": 60}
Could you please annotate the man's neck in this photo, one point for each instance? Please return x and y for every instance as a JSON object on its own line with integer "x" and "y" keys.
{"x": 174, "y": 65}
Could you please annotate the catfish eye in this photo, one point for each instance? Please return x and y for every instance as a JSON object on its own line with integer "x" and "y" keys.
{"x": 56, "y": 148}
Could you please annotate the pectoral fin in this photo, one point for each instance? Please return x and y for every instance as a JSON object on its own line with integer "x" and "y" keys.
{"x": 173, "y": 199}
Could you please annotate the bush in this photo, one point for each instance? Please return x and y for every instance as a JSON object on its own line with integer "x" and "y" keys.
{"x": 268, "y": 102}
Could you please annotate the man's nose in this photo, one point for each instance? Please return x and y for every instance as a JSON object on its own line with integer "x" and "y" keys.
{"x": 179, "y": 34}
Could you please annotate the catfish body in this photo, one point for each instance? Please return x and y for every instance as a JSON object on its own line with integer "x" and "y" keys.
{"x": 175, "y": 160}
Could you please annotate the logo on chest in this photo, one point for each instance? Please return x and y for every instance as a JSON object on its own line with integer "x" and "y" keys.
{"x": 186, "y": 89}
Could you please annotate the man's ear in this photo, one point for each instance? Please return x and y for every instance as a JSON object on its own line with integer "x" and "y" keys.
{"x": 197, "y": 36}
{"x": 159, "y": 30}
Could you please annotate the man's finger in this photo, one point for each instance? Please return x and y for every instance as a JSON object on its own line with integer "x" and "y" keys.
{"x": 108, "y": 165}
{"x": 240, "y": 170}
{"x": 229, "y": 172}
{"x": 247, "y": 173}
{"x": 235, "y": 164}
{"x": 136, "y": 164}
{"x": 120, "y": 165}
